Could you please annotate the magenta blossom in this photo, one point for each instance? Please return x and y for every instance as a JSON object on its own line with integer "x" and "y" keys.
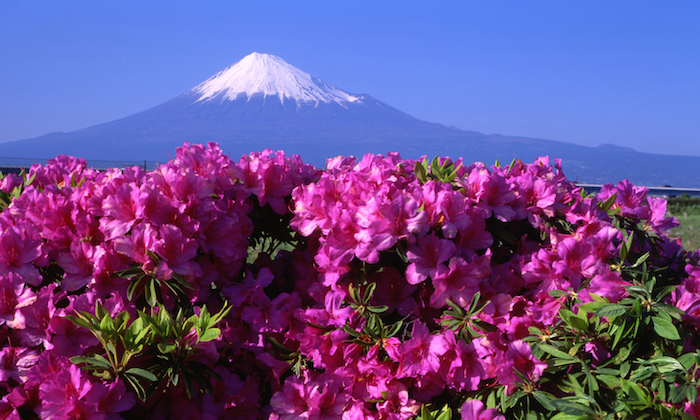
{"x": 427, "y": 258}
{"x": 475, "y": 410}
{"x": 421, "y": 353}
{"x": 19, "y": 247}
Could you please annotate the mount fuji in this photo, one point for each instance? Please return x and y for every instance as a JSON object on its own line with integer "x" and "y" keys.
{"x": 264, "y": 102}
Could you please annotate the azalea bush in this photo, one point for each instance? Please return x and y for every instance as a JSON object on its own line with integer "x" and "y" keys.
{"x": 378, "y": 288}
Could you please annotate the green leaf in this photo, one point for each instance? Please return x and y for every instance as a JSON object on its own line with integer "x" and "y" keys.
{"x": 101, "y": 312}
{"x": 136, "y": 387}
{"x": 688, "y": 360}
{"x": 209, "y": 335}
{"x": 351, "y": 331}
{"x": 369, "y": 291}
{"x": 491, "y": 400}
{"x": 394, "y": 329}
{"x": 151, "y": 295}
{"x": 641, "y": 260}
{"x": 435, "y": 166}
{"x": 564, "y": 416}
{"x": 691, "y": 393}
{"x": 610, "y": 381}
{"x": 590, "y": 379}
{"x": 141, "y": 373}
{"x": 638, "y": 292}
{"x": 132, "y": 287}
{"x": 377, "y": 309}
{"x": 572, "y": 408}
{"x": 129, "y": 272}
{"x": 484, "y": 326}
{"x": 579, "y": 323}
{"x": 474, "y": 303}
{"x": 421, "y": 175}
{"x": 607, "y": 371}
{"x": 94, "y": 359}
{"x": 667, "y": 364}
{"x": 81, "y": 322}
{"x": 166, "y": 348}
{"x": 354, "y": 294}
{"x": 623, "y": 251}
{"x": 445, "y": 413}
{"x": 558, "y": 293}
{"x": 545, "y": 399}
{"x": 665, "y": 328}
{"x": 611, "y": 311}
{"x": 29, "y": 180}
{"x": 512, "y": 165}
{"x": 456, "y": 308}
{"x": 182, "y": 282}
{"x": 453, "y": 174}
{"x": 605, "y": 206}
{"x": 678, "y": 393}
{"x": 555, "y": 352}
{"x": 634, "y": 391}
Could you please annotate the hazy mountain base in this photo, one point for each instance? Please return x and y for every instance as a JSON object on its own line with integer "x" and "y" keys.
{"x": 327, "y": 130}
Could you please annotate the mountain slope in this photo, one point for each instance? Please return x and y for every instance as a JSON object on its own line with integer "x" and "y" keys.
{"x": 263, "y": 102}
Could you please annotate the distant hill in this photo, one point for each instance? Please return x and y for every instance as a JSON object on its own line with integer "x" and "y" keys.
{"x": 263, "y": 102}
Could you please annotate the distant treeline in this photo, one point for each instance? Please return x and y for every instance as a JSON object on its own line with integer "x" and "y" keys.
{"x": 683, "y": 203}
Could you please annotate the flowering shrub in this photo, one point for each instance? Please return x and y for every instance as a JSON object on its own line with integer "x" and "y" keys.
{"x": 379, "y": 288}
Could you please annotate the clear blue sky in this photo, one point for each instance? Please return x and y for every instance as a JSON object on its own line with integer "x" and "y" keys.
{"x": 593, "y": 72}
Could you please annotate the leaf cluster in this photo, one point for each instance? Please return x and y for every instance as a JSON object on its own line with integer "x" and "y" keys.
{"x": 436, "y": 171}
{"x": 155, "y": 348}
{"x": 465, "y": 323}
{"x": 147, "y": 284}
{"x": 374, "y": 330}
{"x": 646, "y": 376}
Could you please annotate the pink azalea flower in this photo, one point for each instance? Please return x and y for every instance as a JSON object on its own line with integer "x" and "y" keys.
{"x": 397, "y": 404}
{"x": 15, "y": 362}
{"x": 120, "y": 211}
{"x": 303, "y": 398}
{"x": 18, "y": 249}
{"x": 9, "y": 182}
{"x": 37, "y": 318}
{"x": 156, "y": 207}
{"x": 452, "y": 216}
{"x": 176, "y": 251}
{"x": 110, "y": 399}
{"x": 268, "y": 178}
{"x": 13, "y": 296}
{"x": 337, "y": 314}
{"x": 490, "y": 192}
{"x": 63, "y": 396}
{"x": 461, "y": 282}
{"x": 271, "y": 316}
{"x": 393, "y": 291}
{"x": 8, "y": 411}
{"x": 371, "y": 377}
{"x": 629, "y": 199}
{"x": 657, "y": 217}
{"x": 427, "y": 258}
{"x": 77, "y": 265}
{"x": 518, "y": 357}
{"x": 421, "y": 353}
{"x": 461, "y": 365}
{"x": 475, "y": 410}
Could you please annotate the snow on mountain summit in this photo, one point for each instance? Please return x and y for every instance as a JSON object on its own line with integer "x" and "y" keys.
{"x": 269, "y": 75}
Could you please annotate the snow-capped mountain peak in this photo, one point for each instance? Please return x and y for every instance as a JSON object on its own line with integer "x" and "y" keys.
{"x": 269, "y": 75}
